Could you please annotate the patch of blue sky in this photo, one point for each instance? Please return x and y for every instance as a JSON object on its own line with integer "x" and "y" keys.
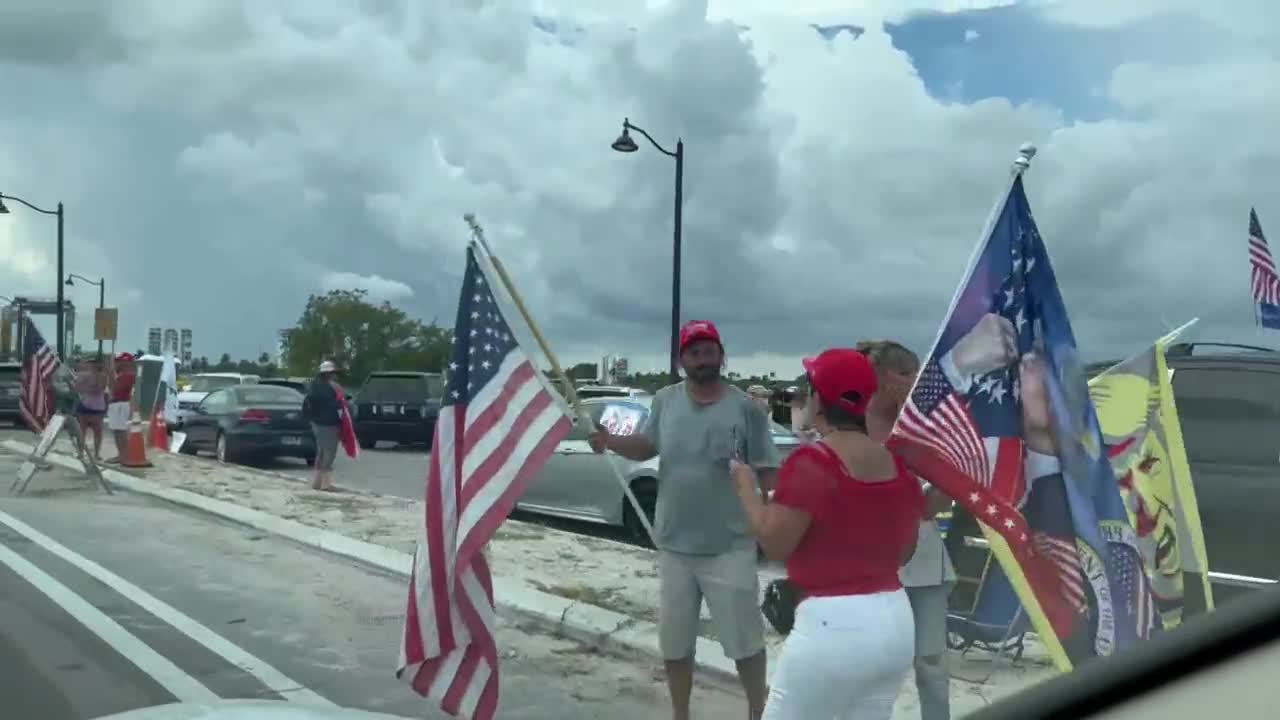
{"x": 1017, "y": 52}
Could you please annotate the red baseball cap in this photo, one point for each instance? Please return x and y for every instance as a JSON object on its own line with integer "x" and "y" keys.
{"x": 124, "y": 357}
{"x": 838, "y": 372}
{"x": 696, "y": 330}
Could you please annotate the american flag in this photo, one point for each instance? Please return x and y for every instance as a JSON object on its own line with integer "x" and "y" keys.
{"x": 498, "y": 425}
{"x": 1264, "y": 284}
{"x": 964, "y": 430}
{"x": 39, "y": 365}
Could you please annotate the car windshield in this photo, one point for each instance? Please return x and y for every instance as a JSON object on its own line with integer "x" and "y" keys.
{"x": 267, "y": 394}
{"x": 209, "y": 383}
{"x": 778, "y": 430}
{"x": 403, "y": 387}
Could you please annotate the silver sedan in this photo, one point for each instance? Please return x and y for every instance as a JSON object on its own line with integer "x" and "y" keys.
{"x": 578, "y": 484}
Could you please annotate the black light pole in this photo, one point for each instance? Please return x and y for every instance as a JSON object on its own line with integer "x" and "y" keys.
{"x": 62, "y": 310}
{"x": 625, "y": 144}
{"x": 102, "y": 296}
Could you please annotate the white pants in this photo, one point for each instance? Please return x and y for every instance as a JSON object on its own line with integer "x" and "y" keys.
{"x": 118, "y": 416}
{"x": 845, "y": 659}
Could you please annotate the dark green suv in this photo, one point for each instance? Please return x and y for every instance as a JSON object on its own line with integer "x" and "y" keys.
{"x": 10, "y": 389}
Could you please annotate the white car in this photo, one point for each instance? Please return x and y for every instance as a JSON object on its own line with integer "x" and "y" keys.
{"x": 200, "y": 385}
{"x": 578, "y": 484}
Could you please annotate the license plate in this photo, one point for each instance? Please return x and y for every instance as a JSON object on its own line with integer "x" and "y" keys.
{"x": 389, "y": 408}
{"x": 291, "y": 440}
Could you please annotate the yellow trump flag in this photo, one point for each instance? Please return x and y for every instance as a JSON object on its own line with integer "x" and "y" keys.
{"x": 1139, "y": 418}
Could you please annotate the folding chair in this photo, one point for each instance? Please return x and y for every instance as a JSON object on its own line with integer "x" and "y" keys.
{"x": 984, "y": 611}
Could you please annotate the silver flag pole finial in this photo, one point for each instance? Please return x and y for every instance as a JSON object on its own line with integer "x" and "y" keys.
{"x": 1023, "y": 161}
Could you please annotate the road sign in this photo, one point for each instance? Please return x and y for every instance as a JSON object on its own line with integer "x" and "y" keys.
{"x": 105, "y": 321}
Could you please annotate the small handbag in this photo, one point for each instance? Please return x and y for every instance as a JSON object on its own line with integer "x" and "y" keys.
{"x": 779, "y": 605}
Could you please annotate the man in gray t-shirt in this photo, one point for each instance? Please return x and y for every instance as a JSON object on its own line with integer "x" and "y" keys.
{"x": 705, "y": 550}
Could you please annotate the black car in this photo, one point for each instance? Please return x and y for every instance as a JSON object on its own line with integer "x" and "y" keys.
{"x": 299, "y": 385}
{"x": 398, "y": 407}
{"x": 1228, "y": 399}
{"x": 10, "y": 389}
{"x": 250, "y": 421}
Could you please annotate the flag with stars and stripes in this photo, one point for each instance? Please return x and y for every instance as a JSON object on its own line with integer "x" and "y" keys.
{"x": 1000, "y": 419}
{"x": 1264, "y": 284}
{"x": 39, "y": 365}
{"x": 499, "y": 423}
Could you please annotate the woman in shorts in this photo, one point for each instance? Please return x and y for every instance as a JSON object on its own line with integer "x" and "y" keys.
{"x": 91, "y": 405}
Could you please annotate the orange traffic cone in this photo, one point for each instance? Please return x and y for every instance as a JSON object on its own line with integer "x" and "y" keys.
{"x": 135, "y": 452}
{"x": 158, "y": 432}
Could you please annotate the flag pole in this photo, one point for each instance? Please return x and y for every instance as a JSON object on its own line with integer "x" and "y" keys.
{"x": 1162, "y": 341}
{"x": 570, "y": 392}
{"x": 1174, "y": 333}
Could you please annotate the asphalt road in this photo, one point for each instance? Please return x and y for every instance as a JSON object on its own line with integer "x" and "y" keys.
{"x": 109, "y": 603}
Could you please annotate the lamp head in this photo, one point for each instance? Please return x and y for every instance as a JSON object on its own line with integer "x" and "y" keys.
{"x": 624, "y": 143}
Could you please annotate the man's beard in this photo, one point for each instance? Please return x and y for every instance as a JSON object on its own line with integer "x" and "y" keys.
{"x": 703, "y": 374}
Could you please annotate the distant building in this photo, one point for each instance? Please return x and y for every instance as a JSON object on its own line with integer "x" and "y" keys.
{"x": 282, "y": 347}
{"x": 175, "y": 341}
{"x": 613, "y": 370}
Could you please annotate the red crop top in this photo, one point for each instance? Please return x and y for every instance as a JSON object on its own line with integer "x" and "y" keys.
{"x": 859, "y": 529}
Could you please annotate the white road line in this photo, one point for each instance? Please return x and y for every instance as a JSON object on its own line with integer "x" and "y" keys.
{"x": 269, "y": 676}
{"x": 170, "y": 676}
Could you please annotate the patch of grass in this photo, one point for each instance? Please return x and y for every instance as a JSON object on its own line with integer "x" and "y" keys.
{"x": 607, "y": 598}
{"x": 506, "y": 533}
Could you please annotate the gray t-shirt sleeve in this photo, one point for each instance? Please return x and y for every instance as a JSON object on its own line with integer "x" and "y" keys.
{"x": 651, "y": 423}
{"x": 761, "y": 452}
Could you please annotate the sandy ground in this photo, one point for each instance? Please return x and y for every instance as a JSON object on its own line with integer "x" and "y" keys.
{"x": 609, "y": 574}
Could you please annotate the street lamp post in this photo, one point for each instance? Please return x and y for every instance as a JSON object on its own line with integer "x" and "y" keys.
{"x": 625, "y": 144}
{"x": 62, "y": 339}
{"x": 102, "y": 295}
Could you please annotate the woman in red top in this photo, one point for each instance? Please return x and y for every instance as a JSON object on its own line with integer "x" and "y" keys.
{"x": 844, "y": 517}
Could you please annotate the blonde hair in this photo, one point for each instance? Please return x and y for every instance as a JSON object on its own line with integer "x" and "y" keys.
{"x": 889, "y": 356}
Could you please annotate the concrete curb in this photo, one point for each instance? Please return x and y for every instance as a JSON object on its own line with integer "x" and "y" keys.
{"x": 607, "y": 630}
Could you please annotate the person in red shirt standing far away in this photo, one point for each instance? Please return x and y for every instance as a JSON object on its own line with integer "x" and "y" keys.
{"x": 844, "y": 517}
{"x": 122, "y": 377}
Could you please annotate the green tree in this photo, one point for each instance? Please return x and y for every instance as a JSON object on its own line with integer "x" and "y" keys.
{"x": 584, "y": 371}
{"x": 224, "y": 363}
{"x": 360, "y": 336}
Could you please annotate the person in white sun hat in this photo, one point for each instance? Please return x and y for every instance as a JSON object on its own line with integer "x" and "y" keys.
{"x": 323, "y": 408}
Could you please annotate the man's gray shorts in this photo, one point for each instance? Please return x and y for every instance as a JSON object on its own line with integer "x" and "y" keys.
{"x": 731, "y": 586}
{"x": 929, "y": 606}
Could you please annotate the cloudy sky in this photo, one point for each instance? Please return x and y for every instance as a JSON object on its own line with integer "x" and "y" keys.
{"x": 221, "y": 160}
